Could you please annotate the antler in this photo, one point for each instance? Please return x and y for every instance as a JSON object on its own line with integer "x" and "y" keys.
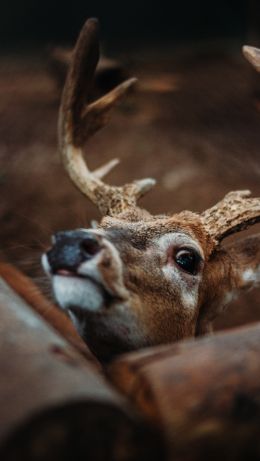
{"x": 79, "y": 120}
{"x": 232, "y": 214}
{"x": 253, "y": 56}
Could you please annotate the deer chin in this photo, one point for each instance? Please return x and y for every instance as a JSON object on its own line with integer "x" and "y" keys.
{"x": 80, "y": 293}
{"x": 108, "y": 336}
{"x": 109, "y": 332}
{"x": 105, "y": 322}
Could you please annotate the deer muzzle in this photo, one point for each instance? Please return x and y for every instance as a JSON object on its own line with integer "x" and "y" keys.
{"x": 86, "y": 271}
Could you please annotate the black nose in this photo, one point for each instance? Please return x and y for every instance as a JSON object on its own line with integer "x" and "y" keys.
{"x": 72, "y": 248}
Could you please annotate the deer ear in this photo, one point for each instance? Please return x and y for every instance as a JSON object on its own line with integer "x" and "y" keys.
{"x": 229, "y": 271}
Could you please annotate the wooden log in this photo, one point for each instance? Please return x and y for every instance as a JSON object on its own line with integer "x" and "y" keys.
{"x": 204, "y": 394}
{"x": 24, "y": 287}
{"x": 54, "y": 405}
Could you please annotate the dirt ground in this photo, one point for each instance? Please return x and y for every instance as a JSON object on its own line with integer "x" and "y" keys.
{"x": 192, "y": 123}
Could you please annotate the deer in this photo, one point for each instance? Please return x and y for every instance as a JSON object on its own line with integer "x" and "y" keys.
{"x": 135, "y": 279}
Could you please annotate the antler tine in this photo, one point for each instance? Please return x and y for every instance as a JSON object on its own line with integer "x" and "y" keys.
{"x": 105, "y": 169}
{"x": 232, "y": 214}
{"x": 253, "y": 56}
{"x": 79, "y": 120}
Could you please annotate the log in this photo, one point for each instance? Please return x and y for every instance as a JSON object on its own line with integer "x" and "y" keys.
{"x": 24, "y": 287}
{"x": 54, "y": 405}
{"x": 204, "y": 394}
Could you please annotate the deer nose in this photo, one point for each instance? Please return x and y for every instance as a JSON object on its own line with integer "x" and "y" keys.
{"x": 70, "y": 249}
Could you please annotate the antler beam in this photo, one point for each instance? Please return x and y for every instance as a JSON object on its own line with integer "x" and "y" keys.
{"x": 232, "y": 214}
{"x": 78, "y": 121}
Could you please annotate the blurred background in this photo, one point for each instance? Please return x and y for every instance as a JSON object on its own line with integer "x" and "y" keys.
{"x": 193, "y": 121}
{"x": 31, "y": 22}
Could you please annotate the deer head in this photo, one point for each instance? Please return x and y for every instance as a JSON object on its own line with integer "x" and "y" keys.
{"x": 138, "y": 280}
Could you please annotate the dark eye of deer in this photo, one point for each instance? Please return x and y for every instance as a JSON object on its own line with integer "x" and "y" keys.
{"x": 188, "y": 260}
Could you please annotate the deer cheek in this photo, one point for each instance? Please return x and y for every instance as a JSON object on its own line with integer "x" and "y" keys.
{"x": 171, "y": 322}
{"x": 186, "y": 286}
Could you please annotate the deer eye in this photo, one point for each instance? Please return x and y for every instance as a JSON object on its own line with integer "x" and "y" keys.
{"x": 189, "y": 260}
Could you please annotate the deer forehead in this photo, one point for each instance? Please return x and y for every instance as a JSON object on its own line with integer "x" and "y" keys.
{"x": 148, "y": 239}
{"x": 157, "y": 228}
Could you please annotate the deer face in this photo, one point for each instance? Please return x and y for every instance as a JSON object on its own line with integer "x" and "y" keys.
{"x": 137, "y": 279}
{"x": 129, "y": 285}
